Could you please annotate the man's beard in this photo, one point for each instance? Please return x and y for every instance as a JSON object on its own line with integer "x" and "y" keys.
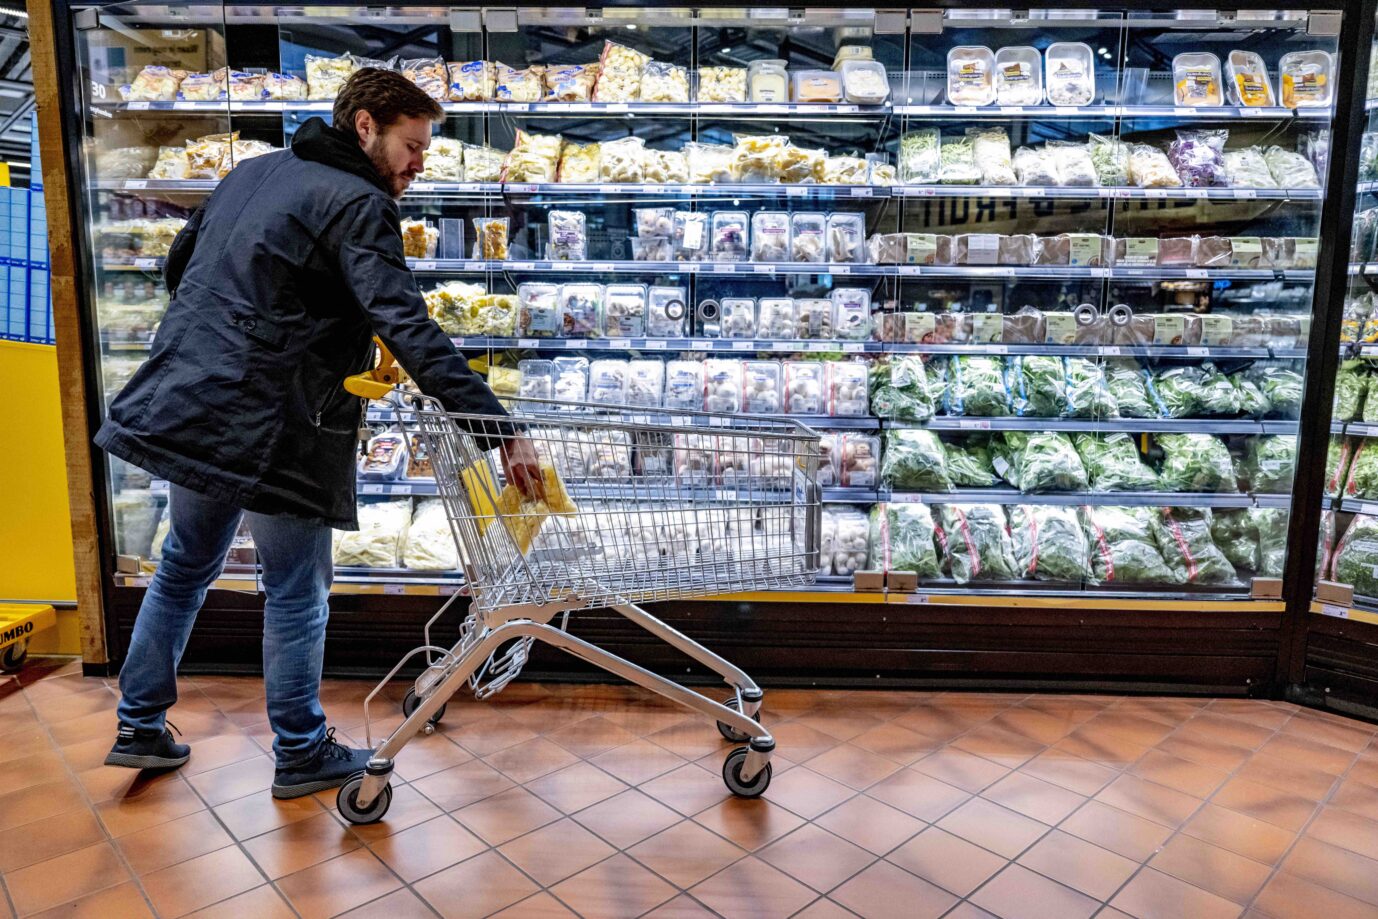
{"x": 396, "y": 182}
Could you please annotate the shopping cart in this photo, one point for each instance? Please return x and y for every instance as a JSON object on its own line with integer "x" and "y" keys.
{"x": 641, "y": 505}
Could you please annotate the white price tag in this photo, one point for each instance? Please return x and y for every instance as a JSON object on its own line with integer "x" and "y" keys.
{"x": 744, "y": 346}
{"x": 910, "y": 270}
{"x": 518, "y": 106}
{"x": 999, "y": 192}
{"x": 1064, "y": 110}
{"x": 1185, "y": 110}
{"x": 565, "y": 266}
{"x": 1199, "y": 352}
{"x": 916, "y": 598}
{"x": 724, "y": 268}
{"x": 1100, "y": 272}
{"x": 1155, "y": 192}
{"x": 973, "y": 424}
{"x": 795, "y": 191}
{"x": 145, "y": 263}
{"x": 841, "y": 269}
{"x": 423, "y": 265}
{"x": 763, "y": 269}
{"x": 528, "y": 343}
{"x": 1197, "y": 273}
{"x": 862, "y": 192}
{"x": 1029, "y": 192}
{"x": 136, "y": 183}
{"x": 138, "y": 106}
{"x": 1330, "y": 609}
{"x": 576, "y": 344}
{"x": 1248, "y": 112}
{"x": 458, "y": 342}
{"x": 964, "y": 109}
{"x": 618, "y": 107}
{"x": 655, "y": 344}
{"x": 601, "y": 266}
{"x": 1011, "y": 109}
{"x": 619, "y": 343}
{"x": 997, "y": 349}
{"x": 522, "y": 266}
{"x": 402, "y": 489}
{"x": 819, "y": 347}
{"x": 371, "y": 489}
{"x": 688, "y": 268}
{"x": 1112, "y": 350}
{"x": 1245, "y": 194}
{"x": 394, "y": 589}
{"x": 851, "y": 347}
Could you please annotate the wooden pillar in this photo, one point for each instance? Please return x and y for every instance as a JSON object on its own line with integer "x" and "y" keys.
{"x": 50, "y": 86}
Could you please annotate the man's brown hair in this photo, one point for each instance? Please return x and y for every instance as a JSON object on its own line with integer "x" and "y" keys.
{"x": 384, "y": 94}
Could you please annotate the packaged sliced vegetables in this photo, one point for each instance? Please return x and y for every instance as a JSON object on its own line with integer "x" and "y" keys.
{"x": 581, "y": 310}
{"x": 1290, "y": 169}
{"x": 1018, "y": 76}
{"x": 738, "y": 317}
{"x": 846, "y": 236}
{"x": 1248, "y": 79}
{"x": 1197, "y": 157}
{"x": 608, "y": 382}
{"x": 538, "y": 379}
{"x": 770, "y": 236}
{"x": 775, "y": 317}
{"x": 1196, "y": 463}
{"x": 722, "y": 385}
{"x": 645, "y": 383}
{"x": 1037, "y": 386}
{"x": 976, "y": 542}
{"x": 1088, "y": 394}
{"x": 1269, "y": 463}
{"x": 1149, "y": 167}
{"x": 805, "y": 388}
{"x": 1049, "y": 543}
{"x": 991, "y": 151}
{"x": 1124, "y": 549}
{"x": 1034, "y": 167}
{"x": 920, "y": 157}
{"x": 957, "y": 159}
{"x": 808, "y": 236}
{"x": 730, "y": 236}
{"x": 847, "y": 390}
{"x": 684, "y": 385}
{"x": 969, "y": 463}
{"x": 1306, "y": 79}
{"x": 1247, "y": 169}
{"x": 852, "y": 313}
{"x": 1039, "y": 462}
{"x": 666, "y": 312}
{"x": 1236, "y": 536}
{"x": 540, "y": 309}
{"x": 1196, "y": 79}
{"x": 571, "y": 379}
{"x": 1073, "y": 164}
{"x": 1110, "y": 156}
{"x": 970, "y": 75}
{"x": 624, "y": 310}
{"x": 1069, "y": 73}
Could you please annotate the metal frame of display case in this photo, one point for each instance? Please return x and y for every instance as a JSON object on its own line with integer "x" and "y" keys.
{"x": 1097, "y": 639}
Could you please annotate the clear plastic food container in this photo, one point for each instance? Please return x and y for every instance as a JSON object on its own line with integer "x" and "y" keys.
{"x": 808, "y": 237}
{"x": 847, "y": 394}
{"x": 690, "y": 236}
{"x": 846, "y": 238}
{"x": 571, "y": 379}
{"x": 767, "y": 81}
{"x": 829, "y": 449}
{"x": 722, "y": 380}
{"x": 730, "y": 237}
{"x": 652, "y": 249}
{"x": 654, "y": 221}
{"x": 1248, "y": 79}
{"x": 539, "y": 305}
{"x": 761, "y": 387}
{"x": 860, "y": 461}
{"x": 684, "y": 385}
{"x": 722, "y": 84}
{"x": 608, "y": 382}
{"x": 695, "y": 458}
{"x": 816, "y": 86}
{"x": 1305, "y": 79}
{"x": 770, "y": 236}
{"x": 1196, "y": 79}
{"x": 852, "y": 313}
{"x": 775, "y": 318}
{"x": 538, "y": 379}
{"x": 814, "y": 317}
{"x": 806, "y": 391}
{"x": 970, "y": 75}
{"x": 865, "y": 82}
{"x": 624, "y": 310}
{"x": 1018, "y": 76}
{"x": 645, "y": 383}
{"x": 666, "y": 312}
{"x": 569, "y": 236}
{"x": 581, "y": 310}
{"x": 738, "y": 317}
{"x": 1069, "y": 73}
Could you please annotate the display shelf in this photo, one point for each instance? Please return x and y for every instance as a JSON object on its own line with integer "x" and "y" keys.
{"x": 1357, "y": 506}
{"x": 1214, "y": 352}
{"x": 1357, "y": 429}
{"x": 1104, "y": 425}
{"x": 378, "y": 414}
{"x": 596, "y": 266}
{"x": 1130, "y": 193}
{"x": 1110, "y": 111}
{"x": 1115, "y": 499}
{"x": 1364, "y": 609}
{"x": 737, "y": 345}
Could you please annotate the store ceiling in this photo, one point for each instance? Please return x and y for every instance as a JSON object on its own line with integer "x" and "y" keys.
{"x": 16, "y": 87}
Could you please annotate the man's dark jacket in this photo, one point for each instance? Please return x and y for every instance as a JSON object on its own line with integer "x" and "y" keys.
{"x": 278, "y": 284}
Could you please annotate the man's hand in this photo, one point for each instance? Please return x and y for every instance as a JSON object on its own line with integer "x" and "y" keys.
{"x": 523, "y": 470}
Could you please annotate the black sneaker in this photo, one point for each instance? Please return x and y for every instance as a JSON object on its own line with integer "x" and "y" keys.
{"x": 147, "y": 749}
{"x": 328, "y": 767}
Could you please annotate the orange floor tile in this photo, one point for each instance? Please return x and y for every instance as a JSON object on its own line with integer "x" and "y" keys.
{"x": 601, "y": 801}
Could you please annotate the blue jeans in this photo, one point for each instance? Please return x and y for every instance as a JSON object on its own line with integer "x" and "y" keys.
{"x": 297, "y": 571}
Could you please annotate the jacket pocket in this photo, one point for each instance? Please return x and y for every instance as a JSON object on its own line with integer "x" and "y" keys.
{"x": 261, "y": 330}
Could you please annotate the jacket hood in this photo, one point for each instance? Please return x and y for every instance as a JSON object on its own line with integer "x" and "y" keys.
{"x": 319, "y": 142}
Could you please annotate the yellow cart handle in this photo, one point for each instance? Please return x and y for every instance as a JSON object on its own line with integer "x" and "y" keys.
{"x": 378, "y": 382}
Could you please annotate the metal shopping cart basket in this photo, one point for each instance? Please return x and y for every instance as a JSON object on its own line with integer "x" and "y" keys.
{"x": 641, "y": 505}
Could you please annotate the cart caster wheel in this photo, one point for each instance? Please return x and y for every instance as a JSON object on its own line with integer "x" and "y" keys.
{"x": 728, "y": 731}
{"x": 348, "y": 794}
{"x": 732, "y": 775}
{"x": 13, "y": 657}
{"x": 410, "y": 704}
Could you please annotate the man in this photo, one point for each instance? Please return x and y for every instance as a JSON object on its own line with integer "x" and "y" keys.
{"x": 278, "y": 284}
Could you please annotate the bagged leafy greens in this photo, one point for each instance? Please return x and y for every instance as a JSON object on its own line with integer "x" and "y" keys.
{"x": 976, "y": 542}
{"x": 1356, "y": 557}
{"x": 1088, "y": 396}
{"x": 1351, "y": 382}
{"x": 1111, "y": 158}
{"x": 1196, "y": 463}
{"x": 914, "y": 461}
{"x": 1236, "y": 534}
{"x": 1184, "y": 537}
{"x": 1129, "y": 385}
{"x": 1049, "y": 543}
{"x": 1123, "y": 547}
{"x": 1369, "y": 415}
{"x": 976, "y": 386}
{"x": 1039, "y": 461}
{"x": 1271, "y": 523}
{"x": 1217, "y": 395}
{"x": 903, "y": 539}
{"x": 1363, "y": 473}
{"x": 1112, "y": 463}
{"x": 900, "y": 389}
{"x": 1037, "y": 386}
{"x": 1284, "y": 391}
{"x": 1250, "y": 397}
{"x": 969, "y": 464}
{"x": 1337, "y": 456}
{"x": 1179, "y": 390}
{"x": 1268, "y": 463}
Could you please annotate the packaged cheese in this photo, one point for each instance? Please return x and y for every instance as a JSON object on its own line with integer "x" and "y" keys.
{"x": 722, "y": 84}
{"x": 970, "y": 75}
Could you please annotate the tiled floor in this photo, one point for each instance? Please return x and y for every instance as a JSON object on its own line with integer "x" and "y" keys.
{"x": 600, "y": 801}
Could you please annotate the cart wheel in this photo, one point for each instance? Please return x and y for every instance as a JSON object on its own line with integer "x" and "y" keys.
{"x": 728, "y": 731}
{"x": 349, "y": 793}
{"x": 732, "y": 775}
{"x": 13, "y": 657}
{"x": 410, "y": 703}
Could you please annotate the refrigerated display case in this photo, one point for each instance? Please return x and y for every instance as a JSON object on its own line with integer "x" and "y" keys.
{"x": 1044, "y": 280}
